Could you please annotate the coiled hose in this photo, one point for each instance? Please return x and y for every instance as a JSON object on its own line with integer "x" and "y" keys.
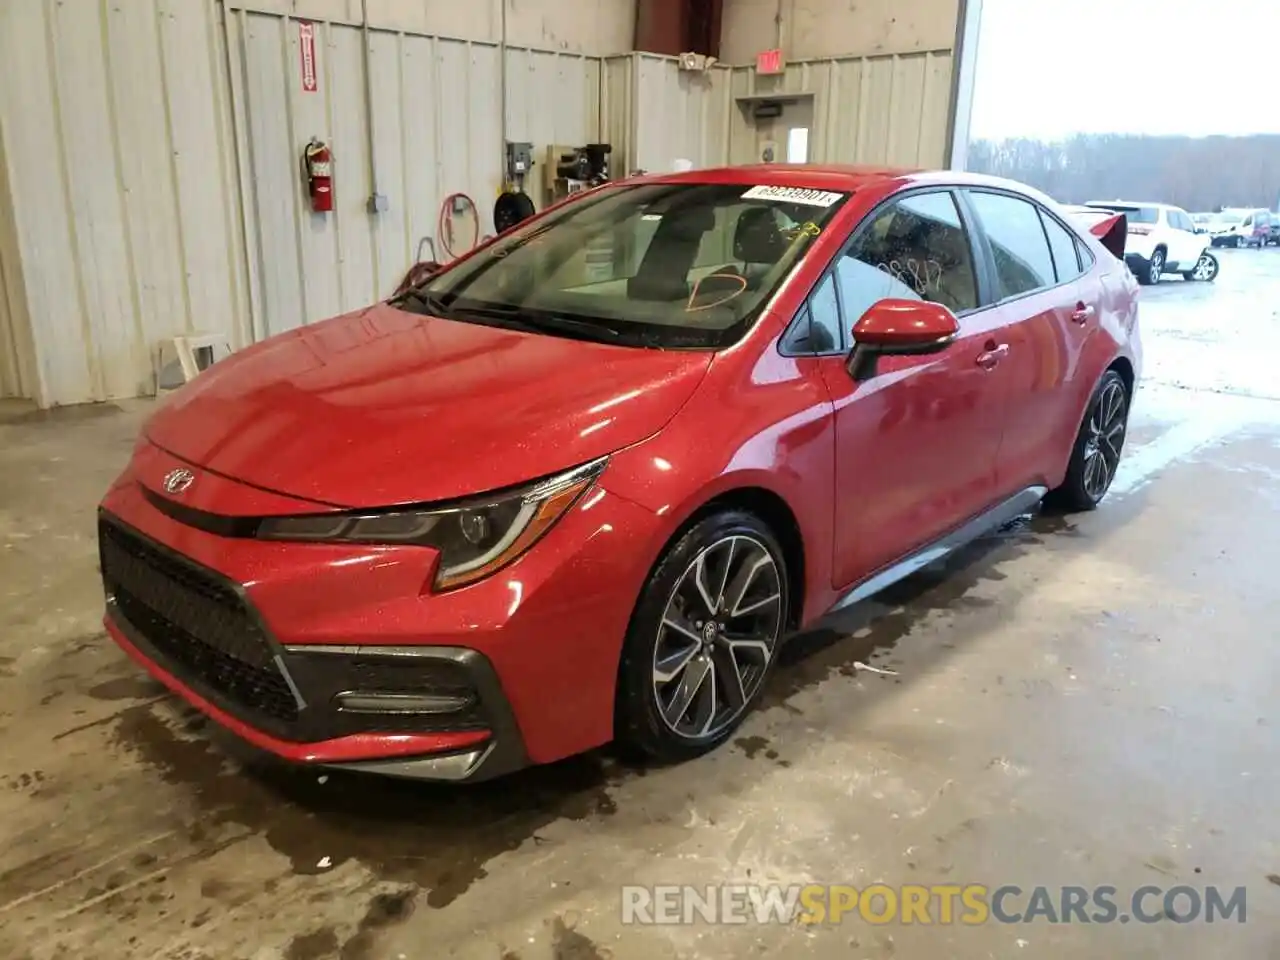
{"x": 445, "y": 225}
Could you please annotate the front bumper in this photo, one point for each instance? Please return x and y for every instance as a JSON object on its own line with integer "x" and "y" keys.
{"x": 283, "y": 644}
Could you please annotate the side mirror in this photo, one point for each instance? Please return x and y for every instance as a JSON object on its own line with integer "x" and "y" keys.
{"x": 895, "y": 326}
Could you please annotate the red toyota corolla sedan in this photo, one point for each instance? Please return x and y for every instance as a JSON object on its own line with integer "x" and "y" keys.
{"x": 583, "y": 483}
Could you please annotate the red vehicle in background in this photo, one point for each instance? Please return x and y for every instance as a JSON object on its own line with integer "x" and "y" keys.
{"x": 583, "y": 483}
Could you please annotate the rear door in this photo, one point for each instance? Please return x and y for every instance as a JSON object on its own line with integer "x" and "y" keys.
{"x": 916, "y": 443}
{"x": 1048, "y": 315}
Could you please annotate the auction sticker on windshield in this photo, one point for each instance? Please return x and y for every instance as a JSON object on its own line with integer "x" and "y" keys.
{"x": 812, "y": 198}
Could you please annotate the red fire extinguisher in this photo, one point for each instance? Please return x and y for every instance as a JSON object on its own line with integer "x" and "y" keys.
{"x": 317, "y": 168}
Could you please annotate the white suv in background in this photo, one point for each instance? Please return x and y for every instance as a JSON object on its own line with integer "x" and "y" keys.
{"x": 1162, "y": 239}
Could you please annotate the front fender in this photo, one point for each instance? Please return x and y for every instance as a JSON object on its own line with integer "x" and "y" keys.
{"x": 716, "y": 449}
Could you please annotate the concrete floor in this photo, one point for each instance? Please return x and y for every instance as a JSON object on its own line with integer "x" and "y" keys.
{"x": 1082, "y": 701}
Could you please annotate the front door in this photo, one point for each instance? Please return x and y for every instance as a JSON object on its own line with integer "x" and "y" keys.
{"x": 916, "y": 443}
{"x": 1184, "y": 243}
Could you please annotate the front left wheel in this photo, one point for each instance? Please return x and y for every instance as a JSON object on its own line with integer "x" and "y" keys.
{"x": 703, "y": 638}
{"x": 1206, "y": 269}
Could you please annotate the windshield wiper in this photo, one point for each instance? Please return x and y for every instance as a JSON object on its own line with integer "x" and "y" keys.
{"x": 537, "y": 322}
{"x": 431, "y": 301}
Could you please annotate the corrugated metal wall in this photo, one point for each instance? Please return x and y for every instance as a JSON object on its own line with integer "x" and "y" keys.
{"x": 115, "y": 133}
{"x": 17, "y": 359}
{"x": 436, "y": 132}
{"x": 881, "y": 109}
{"x": 154, "y": 159}
{"x": 680, "y": 114}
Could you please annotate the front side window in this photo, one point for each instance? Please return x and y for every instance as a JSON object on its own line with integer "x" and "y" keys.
{"x": 913, "y": 249}
{"x": 678, "y": 266}
{"x": 1018, "y": 243}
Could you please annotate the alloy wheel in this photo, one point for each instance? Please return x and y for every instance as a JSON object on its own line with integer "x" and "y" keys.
{"x": 1157, "y": 267}
{"x": 1107, "y": 425}
{"x": 1206, "y": 268}
{"x": 718, "y": 634}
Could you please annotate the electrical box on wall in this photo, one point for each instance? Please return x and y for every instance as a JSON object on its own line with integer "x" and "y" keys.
{"x": 519, "y": 160}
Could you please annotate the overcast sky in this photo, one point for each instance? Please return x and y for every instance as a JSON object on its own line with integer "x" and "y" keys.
{"x": 1050, "y": 68}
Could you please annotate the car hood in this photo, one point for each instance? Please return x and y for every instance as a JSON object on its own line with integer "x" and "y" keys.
{"x": 382, "y": 407}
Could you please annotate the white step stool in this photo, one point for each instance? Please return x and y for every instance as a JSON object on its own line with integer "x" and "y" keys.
{"x": 192, "y": 353}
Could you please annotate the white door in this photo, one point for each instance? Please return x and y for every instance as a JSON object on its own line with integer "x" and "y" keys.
{"x": 1184, "y": 242}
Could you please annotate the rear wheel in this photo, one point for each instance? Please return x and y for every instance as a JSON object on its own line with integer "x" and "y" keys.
{"x": 1096, "y": 454}
{"x": 702, "y": 638}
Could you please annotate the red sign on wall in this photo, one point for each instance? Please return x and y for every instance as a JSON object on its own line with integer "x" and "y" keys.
{"x": 769, "y": 61}
{"x": 307, "y": 42}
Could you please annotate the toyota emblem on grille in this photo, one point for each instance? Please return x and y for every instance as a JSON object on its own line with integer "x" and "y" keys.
{"x": 176, "y": 481}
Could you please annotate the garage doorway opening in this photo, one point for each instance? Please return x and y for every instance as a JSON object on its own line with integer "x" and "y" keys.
{"x": 779, "y": 128}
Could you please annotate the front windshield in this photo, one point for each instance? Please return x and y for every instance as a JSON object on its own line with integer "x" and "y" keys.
{"x": 1229, "y": 218}
{"x": 684, "y": 265}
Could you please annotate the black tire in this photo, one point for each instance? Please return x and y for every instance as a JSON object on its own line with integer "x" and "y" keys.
{"x": 1080, "y": 490}
{"x": 671, "y": 600}
{"x": 1235, "y": 243}
{"x": 1211, "y": 271}
{"x": 1154, "y": 268}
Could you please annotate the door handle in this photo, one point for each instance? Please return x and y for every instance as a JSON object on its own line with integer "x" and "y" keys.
{"x": 1082, "y": 314}
{"x": 988, "y": 359}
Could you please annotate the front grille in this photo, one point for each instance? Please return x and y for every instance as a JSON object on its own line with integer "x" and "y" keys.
{"x": 198, "y": 625}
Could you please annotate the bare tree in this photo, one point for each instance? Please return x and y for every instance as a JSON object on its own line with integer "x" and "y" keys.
{"x": 1196, "y": 173}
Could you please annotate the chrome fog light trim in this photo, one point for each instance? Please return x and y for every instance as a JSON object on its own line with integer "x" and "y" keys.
{"x": 365, "y": 701}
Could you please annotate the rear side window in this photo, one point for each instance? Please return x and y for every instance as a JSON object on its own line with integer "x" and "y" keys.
{"x": 1084, "y": 255}
{"x": 916, "y": 249}
{"x": 1018, "y": 243}
{"x": 1063, "y": 246}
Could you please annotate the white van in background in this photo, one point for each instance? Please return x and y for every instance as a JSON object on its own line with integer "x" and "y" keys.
{"x": 1235, "y": 227}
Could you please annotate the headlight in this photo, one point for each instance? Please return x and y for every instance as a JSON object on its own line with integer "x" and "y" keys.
{"x": 475, "y": 538}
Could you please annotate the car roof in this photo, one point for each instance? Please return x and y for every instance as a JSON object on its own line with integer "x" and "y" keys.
{"x": 831, "y": 176}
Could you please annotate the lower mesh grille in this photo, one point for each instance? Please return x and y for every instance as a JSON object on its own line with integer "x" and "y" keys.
{"x": 198, "y": 625}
